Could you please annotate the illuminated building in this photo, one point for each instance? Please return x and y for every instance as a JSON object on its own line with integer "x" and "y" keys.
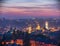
{"x": 19, "y": 41}
{"x": 12, "y": 41}
{"x": 43, "y": 29}
{"x": 32, "y": 42}
{"x": 54, "y": 29}
{"x": 29, "y": 29}
{"x": 38, "y": 27}
{"x": 37, "y": 43}
{"x": 46, "y": 25}
{"x": 7, "y": 42}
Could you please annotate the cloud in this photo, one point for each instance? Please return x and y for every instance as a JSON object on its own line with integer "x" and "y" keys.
{"x": 38, "y": 5}
{"x": 30, "y": 8}
{"x": 31, "y": 11}
{"x": 30, "y": 3}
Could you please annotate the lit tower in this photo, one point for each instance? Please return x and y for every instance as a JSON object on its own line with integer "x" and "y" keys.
{"x": 38, "y": 27}
{"x": 46, "y": 25}
{"x": 29, "y": 29}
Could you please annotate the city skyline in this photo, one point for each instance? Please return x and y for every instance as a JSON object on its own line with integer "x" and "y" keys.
{"x": 30, "y": 8}
{"x": 29, "y": 23}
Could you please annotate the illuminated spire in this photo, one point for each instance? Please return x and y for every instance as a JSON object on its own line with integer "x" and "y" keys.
{"x": 38, "y": 27}
{"x": 46, "y": 25}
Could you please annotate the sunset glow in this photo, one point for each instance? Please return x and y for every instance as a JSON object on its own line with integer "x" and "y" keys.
{"x": 33, "y": 8}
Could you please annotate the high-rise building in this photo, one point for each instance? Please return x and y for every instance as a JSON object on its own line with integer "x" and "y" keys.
{"x": 38, "y": 27}
{"x": 29, "y": 29}
{"x": 46, "y": 25}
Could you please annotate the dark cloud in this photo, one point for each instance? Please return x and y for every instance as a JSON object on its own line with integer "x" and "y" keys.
{"x": 2, "y": 1}
{"x": 58, "y": 3}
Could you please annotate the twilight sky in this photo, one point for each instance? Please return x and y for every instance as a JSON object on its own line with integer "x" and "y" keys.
{"x": 29, "y": 8}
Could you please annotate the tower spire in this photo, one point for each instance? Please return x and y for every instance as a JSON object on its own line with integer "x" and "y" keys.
{"x": 46, "y": 25}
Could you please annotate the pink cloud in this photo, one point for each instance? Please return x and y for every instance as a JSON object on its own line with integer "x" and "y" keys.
{"x": 33, "y": 12}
